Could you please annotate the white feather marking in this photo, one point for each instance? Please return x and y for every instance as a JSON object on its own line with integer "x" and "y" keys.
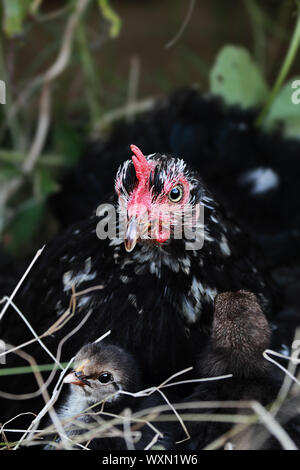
{"x": 262, "y": 180}
{"x": 210, "y": 293}
{"x": 74, "y": 279}
{"x": 224, "y": 247}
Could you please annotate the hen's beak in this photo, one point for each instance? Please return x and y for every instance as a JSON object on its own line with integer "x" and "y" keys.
{"x": 137, "y": 228}
{"x": 132, "y": 234}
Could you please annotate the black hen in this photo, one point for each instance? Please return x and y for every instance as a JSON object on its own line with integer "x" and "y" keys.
{"x": 156, "y": 297}
{"x": 254, "y": 174}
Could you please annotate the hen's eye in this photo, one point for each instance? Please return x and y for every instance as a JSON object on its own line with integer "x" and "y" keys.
{"x": 175, "y": 195}
{"x": 105, "y": 378}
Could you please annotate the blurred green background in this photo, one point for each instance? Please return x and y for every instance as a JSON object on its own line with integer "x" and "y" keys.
{"x": 73, "y": 67}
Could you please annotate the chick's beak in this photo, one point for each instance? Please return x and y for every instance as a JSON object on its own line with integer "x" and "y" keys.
{"x": 77, "y": 376}
{"x": 74, "y": 378}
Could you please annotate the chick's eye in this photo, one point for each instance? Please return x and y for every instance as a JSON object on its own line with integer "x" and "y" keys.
{"x": 176, "y": 193}
{"x": 105, "y": 378}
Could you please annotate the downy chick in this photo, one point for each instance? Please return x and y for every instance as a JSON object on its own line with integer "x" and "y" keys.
{"x": 101, "y": 374}
{"x": 240, "y": 335}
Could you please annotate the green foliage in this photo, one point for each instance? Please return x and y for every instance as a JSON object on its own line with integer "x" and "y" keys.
{"x": 111, "y": 16}
{"x": 284, "y": 110}
{"x": 283, "y": 72}
{"x": 47, "y": 184}
{"x": 25, "y": 223}
{"x": 68, "y": 143}
{"x": 35, "y": 6}
{"x": 29, "y": 215}
{"x": 237, "y": 79}
{"x": 15, "y": 12}
{"x": 31, "y": 369}
{"x": 8, "y": 172}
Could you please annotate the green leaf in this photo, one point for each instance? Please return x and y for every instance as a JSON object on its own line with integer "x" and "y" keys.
{"x": 35, "y": 6}
{"x": 14, "y": 14}
{"x": 25, "y": 223}
{"x": 111, "y": 16}
{"x": 286, "y": 110}
{"x": 30, "y": 369}
{"x": 237, "y": 79}
{"x": 48, "y": 185}
{"x": 8, "y": 172}
{"x": 68, "y": 143}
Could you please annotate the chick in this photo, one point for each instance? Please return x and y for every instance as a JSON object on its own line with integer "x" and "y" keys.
{"x": 101, "y": 374}
{"x": 240, "y": 335}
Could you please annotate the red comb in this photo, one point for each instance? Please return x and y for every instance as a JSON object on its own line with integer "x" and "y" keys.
{"x": 142, "y": 168}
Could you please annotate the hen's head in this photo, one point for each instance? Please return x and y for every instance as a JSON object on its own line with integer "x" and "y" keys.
{"x": 157, "y": 195}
